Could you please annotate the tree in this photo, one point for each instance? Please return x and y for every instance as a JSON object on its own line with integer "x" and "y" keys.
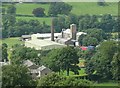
{"x": 73, "y": 19}
{"x": 39, "y": 12}
{"x": 11, "y": 10}
{"x": 64, "y": 59}
{"x": 4, "y": 52}
{"x": 116, "y": 65}
{"x": 81, "y": 38}
{"x": 8, "y": 20}
{"x": 59, "y": 8}
{"x": 52, "y": 10}
{"x": 101, "y": 2}
{"x": 107, "y": 23}
{"x": 84, "y": 22}
{"x": 53, "y": 79}
{"x": 93, "y": 37}
{"x": 87, "y": 41}
{"x": 50, "y": 80}
{"x": 51, "y": 60}
{"x": 73, "y": 82}
{"x": 21, "y": 53}
{"x": 102, "y": 60}
{"x": 3, "y": 11}
{"x": 16, "y": 76}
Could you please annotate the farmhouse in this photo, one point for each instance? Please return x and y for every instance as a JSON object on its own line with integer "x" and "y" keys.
{"x": 36, "y": 71}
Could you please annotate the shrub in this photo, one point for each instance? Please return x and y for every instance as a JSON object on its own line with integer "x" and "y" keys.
{"x": 39, "y": 12}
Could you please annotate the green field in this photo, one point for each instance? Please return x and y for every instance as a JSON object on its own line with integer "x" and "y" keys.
{"x": 12, "y": 41}
{"x": 79, "y": 8}
{"x": 92, "y": 8}
{"x": 26, "y": 9}
{"x": 46, "y": 19}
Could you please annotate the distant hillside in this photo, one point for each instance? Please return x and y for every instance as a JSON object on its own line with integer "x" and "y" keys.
{"x": 79, "y": 8}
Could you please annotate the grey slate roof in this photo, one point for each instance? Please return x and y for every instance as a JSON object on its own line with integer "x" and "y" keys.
{"x": 28, "y": 63}
{"x": 41, "y": 68}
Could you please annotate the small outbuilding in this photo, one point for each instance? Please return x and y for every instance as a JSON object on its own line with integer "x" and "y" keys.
{"x": 25, "y": 37}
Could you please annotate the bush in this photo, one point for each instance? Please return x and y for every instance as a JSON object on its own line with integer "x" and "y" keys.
{"x": 39, "y": 12}
{"x": 56, "y": 80}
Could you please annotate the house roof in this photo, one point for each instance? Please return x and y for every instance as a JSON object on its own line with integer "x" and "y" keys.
{"x": 26, "y": 36}
{"x": 41, "y": 68}
{"x": 28, "y": 63}
{"x": 83, "y": 48}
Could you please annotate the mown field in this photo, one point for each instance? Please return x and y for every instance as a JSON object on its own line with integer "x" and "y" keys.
{"x": 26, "y": 9}
{"x": 79, "y": 8}
{"x": 82, "y": 8}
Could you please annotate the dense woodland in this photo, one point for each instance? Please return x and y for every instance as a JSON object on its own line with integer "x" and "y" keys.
{"x": 101, "y": 63}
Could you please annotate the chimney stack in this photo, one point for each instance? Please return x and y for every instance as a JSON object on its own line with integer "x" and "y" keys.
{"x": 52, "y": 30}
{"x": 62, "y": 33}
{"x": 73, "y": 31}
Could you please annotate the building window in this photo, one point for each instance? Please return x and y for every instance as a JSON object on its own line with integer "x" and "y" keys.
{"x": 30, "y": 73}
{"x": 37, "y": 73}
{"x": 45, "y": 73}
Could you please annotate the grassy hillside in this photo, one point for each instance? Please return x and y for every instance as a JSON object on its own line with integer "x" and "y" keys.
{"x": 26, "y": 9}
{"x": 92, "y": 8}
{"x": 79, "y": 8}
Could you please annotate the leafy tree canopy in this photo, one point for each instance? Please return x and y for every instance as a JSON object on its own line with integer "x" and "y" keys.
{"x": 16, "y": 76}
{"x": 39, "y": 12}
{"x": 59, "y": 8}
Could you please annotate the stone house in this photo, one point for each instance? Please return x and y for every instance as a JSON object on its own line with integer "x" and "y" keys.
{"x": 36, "y": 71}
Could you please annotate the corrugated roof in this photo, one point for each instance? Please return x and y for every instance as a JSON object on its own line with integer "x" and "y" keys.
{"x": 41, "y": 43}
{"x": 41, "y": 68}
{"x": 25, "y": 36}
{"x": 46, "y": 35}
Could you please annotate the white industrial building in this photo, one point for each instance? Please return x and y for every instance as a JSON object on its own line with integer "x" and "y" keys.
{"x": 47, "y": 41}
{"x": 39, "y": 44}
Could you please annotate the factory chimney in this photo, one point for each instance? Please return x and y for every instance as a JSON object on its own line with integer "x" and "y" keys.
{"x": 52, "y": 30}
{"x": 62, "y": 33}
{"x": 73, "y": 31}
